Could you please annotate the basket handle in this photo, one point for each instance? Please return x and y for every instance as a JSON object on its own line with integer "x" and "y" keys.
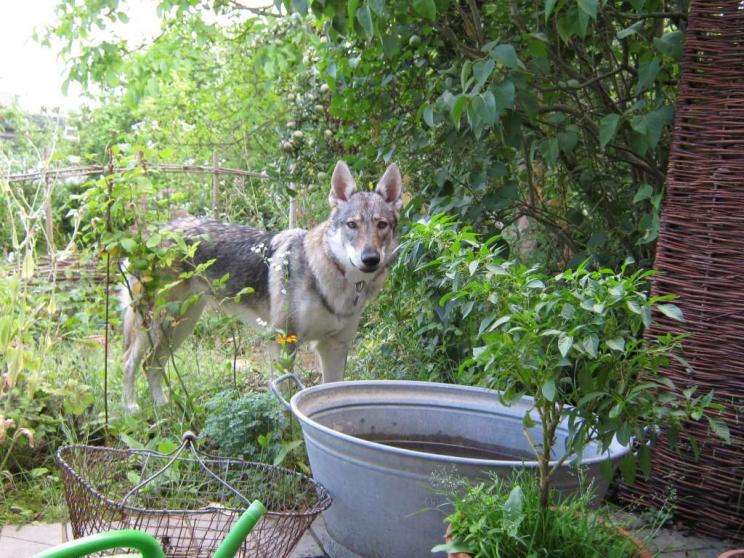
{"x": 278, "y": 394}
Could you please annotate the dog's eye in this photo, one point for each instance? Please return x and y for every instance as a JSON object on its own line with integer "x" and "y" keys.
{"x": 382, "y": 225}
{"x": 351, "y": 224}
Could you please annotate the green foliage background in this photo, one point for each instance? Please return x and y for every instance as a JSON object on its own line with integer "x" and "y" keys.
{"x": 547, "y": 121}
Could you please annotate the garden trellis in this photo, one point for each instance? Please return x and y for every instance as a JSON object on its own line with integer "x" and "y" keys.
{"x": 71, "y": 266}
{"x": 700, "y": 256}
{"x": 51, "y": 267}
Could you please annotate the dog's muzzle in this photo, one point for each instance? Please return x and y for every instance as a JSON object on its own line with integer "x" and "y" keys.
{"x": 370, "y": 261}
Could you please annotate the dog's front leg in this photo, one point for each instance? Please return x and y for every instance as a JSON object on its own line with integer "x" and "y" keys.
{"x": 332, "y": 355}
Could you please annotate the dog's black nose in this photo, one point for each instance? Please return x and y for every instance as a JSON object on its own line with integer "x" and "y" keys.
{"x": 371, "y": 258}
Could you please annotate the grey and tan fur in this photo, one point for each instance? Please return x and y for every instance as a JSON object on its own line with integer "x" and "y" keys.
{"x": 313, "y": 284}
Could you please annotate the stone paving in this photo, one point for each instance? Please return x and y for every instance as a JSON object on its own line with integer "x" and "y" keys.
{"x": 25, "y": 541}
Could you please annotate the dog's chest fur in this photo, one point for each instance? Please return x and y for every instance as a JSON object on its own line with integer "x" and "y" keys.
{"x": 311, "y": 294}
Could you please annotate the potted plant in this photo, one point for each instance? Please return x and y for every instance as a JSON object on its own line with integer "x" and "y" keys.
{"x": 573, "y": 341}
{"x": 503, "y": 517}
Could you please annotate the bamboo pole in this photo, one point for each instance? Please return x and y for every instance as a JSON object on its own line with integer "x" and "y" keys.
{"x": 215, "y": 186}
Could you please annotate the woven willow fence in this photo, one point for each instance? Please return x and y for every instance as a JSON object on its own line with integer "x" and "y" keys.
{"x": 700, "y": 255}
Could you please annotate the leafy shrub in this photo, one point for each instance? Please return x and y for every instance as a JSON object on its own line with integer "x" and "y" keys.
{"x": 37, "y": 394}
{"x": 503, "y": 517}
{"x": 248, "y": 426}
{"x": 572, "y": 341}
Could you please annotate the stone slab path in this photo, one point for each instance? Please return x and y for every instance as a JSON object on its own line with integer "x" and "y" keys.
{"x": 28, "y": 540}
{"x": 25, "y": 541}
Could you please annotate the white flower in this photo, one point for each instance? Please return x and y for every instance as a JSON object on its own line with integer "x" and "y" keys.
{"x": 261, "y": 322}
{"x": 284, "y": 291}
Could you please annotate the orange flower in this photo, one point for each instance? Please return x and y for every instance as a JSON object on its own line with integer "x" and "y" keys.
{"x": 286, "y": 339}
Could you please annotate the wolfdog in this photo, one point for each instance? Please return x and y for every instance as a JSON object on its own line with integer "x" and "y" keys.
{"x": 311, "y": 285}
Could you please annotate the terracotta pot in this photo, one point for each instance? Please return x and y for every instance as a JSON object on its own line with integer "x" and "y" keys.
{"x": 736, "y": 553}
{"x": 448, "y": 538}
{"x": 642, "y": 552}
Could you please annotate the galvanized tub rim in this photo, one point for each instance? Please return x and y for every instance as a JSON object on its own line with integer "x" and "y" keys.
{"x": 614, "y": 451}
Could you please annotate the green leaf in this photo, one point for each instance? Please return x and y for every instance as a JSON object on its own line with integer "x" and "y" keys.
{"x": 506, "y": 55}
{"x": 549, "y": 5}
{"x": 364, "y": 17}
{"x": 479, "y": 114}
{"x": 458, "y": 105}
{"x": 503, "y": 95}
{"x": 549, "y": 389}
{"x": 391, "y": 45}
{"x": 565, "y": 342}
{"x": 607, "y": 128}
{"x": 607, "y": 468}
{"x": 501, "y": 321}
{"x": 482, "y": 71}
{"x": 637, "y": 27}
{"x": 627, "y": 467}
{"x": 647, "y": 73}
{"x": 590, "y": 344}
{"x": 453, "y": 547}
{"x": 514, "y": 504}
{"x": 644, "y": 460}
{"x": 672, "y": 311}
{"x": 129, "y": 244}
{"x": 489, "y": 112}
{"x": 300, "y": 6}
{"x": 567, "y": 141}
{"x": 153, "y": 241}
{"x": 568, "y": 311}
{"x": 28, "y": 265}
{"x": 720, "y": 429}
{"x": 429, "y": 116}
{"x": 528, "y": 421}
{"x": 639, "y": 124}
{"x": 425, "y": 8}
{"x": 649, "y": 225}
{"x": 670, "y": 44}
{"x": 656, "y": 120}
{"x": 465, "y": 72}
{"x": 485, "y": 322}
{"x": 550, "y": 149}
{"x": 645, "y": 191}
{"x": 589, "y": 7}
{"x": 633, "y": 306}
{"x": 616, "y": 344}
{"x": 130, "y": 442}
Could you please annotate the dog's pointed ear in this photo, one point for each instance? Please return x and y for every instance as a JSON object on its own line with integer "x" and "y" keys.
{"x": 342, "y": 184}
{"x": 390, "y": 186}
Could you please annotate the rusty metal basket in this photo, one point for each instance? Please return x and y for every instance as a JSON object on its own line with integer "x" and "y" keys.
{"x": 188, "y": 501}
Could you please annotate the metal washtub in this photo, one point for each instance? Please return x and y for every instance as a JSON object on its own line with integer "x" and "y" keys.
{"x": 383, "y": 502}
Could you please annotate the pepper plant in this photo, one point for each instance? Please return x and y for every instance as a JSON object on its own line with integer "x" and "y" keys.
{"x": 572, "y": 341}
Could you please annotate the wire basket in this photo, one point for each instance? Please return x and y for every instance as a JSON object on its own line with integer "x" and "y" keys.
{"x": 187, "y": 500}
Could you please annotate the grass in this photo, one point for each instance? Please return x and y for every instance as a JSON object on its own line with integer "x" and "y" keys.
{"x": 503, "y": 519}
{"x": 67, "y": 405}
{"x": 36, "y": 495}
